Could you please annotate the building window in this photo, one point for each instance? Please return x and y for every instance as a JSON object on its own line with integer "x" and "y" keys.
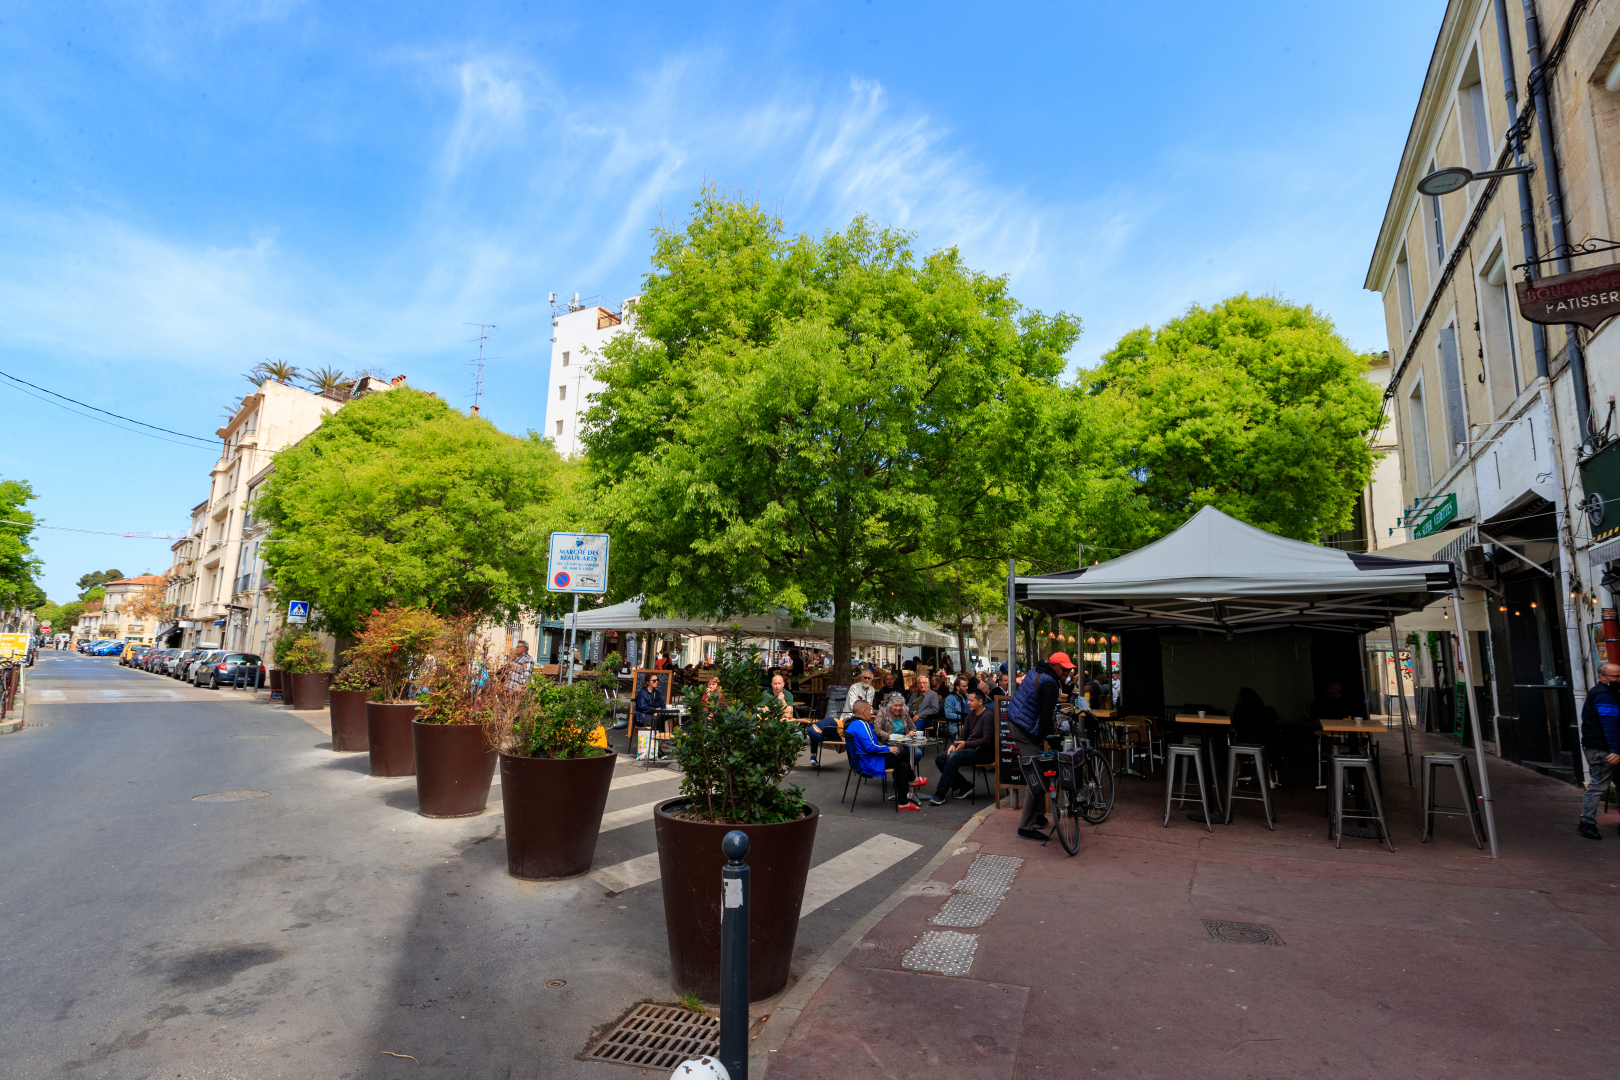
{"x": 559, "y": 427}
{"x": 1437, "y": 227}
{"x": 1497, "y": 335}
{"x": 565, "y": 358}
{"x": 1451, "y": 377}
{"x": 1483, "y": 143}
{"x": 1403, "y": 293}
{"x": 1418, "y": 418}
{"x": 562, "y": 392}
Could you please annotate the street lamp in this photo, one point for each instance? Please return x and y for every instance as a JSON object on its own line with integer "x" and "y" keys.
{"x": 1445, "y": 181}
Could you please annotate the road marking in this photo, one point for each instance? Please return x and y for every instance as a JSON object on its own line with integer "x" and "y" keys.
{"x": 618, "y": 819}
{"x": 627, "y": 875}
{"x": 112, "y": 693}
{"x": 634, "y": 779}
{"x": 52, "y": 695}
{"x": 841, "y": 873}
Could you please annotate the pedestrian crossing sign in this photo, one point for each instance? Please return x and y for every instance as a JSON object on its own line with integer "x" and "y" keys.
{"x": 298, "y": 611}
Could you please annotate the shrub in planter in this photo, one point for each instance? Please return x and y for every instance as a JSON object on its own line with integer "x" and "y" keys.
{"x": 302, "y": 657}
{"x": 461, "y": 698}
{"x": 351, "y": 690}
{"x": 392, "y": 649}
{"x": 554, "y": 776}
{"x": 734, "y": 754}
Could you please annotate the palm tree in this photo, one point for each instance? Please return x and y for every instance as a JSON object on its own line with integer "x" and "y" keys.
{"x": 280, "y": 371}
{"x": 256, "y": 377}
{"x": 327, "y": 380}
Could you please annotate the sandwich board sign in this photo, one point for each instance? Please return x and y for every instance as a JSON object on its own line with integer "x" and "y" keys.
{"x": 298, "y": 612}
{"x": 578, "y": 563}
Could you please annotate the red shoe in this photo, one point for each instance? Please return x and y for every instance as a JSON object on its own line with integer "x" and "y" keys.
{"x": 908, "y": 805}
{"x": 919, "y": 782}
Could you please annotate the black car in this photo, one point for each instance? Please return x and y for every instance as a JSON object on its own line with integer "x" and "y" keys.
{"x": 178, "y": 664}
{"x": 219, "y": 668}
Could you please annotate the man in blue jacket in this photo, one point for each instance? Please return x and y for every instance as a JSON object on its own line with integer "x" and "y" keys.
{"x": 1030, "y": 710}
{"x": 1600, "y": 741}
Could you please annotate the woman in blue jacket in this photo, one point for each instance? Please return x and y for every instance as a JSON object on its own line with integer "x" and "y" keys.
{"x": 873, "y": 757}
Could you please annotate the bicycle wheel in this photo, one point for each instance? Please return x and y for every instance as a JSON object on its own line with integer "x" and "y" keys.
{"x": 1067, "y": 819}
{"x": 1096, "y": 789}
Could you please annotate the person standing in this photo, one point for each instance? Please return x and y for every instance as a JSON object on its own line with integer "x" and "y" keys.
{"x": 1600, "y": 742}
{"x": 520, "y": 667}
{"x": 1030, "y": 711}
{"x": 976, "y": 746}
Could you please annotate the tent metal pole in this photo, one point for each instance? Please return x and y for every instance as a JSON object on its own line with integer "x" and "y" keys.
{"x": 1473, "y": 713}
{"x": 1012, "y": 620}
{"x": 1400, "y": 692}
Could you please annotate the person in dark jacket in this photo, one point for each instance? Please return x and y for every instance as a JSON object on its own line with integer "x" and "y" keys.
{"x": 1600, "y": 742}
{"x": 976, "y": 746}
{"x": 1030, "y": 710}
{"x": 647, "y": 705}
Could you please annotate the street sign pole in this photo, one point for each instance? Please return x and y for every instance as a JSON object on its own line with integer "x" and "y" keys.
{"x": 573, "y": 636}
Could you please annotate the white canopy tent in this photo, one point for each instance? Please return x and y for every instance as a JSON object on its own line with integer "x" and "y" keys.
{"x": 777, "y": 626}
{"x": 1218, "y": 574}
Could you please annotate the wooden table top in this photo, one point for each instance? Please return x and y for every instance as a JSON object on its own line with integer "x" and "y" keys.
{"x": 1194, "y": 718}
{"x": 1348, "y": 725}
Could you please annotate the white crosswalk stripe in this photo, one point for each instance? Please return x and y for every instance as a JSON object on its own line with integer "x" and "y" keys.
{"x": 624, "y": 778}
{"x": 618, "y": 819}
{"x": 52, "y": 695}
{"x": 827, "y": 882}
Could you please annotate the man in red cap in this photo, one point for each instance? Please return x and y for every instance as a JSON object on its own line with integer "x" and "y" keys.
{"x": 1030, "y": 711}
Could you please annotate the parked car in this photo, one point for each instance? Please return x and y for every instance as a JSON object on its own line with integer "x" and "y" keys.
{"x": 221, "y": 667}
{"x": 109, "y": 648}
{"x": 181, "y": 664}
{"x": 133, "y": 654}
{"x": 153, "y": 660}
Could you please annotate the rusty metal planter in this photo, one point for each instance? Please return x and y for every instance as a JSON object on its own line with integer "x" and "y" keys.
{"x": 388, "y": 735}
{"x": 689, "y": 860}
{"x": 454, "y": 767}
{"x": 553, "y": 813}
{"x": 349, "y": 721}
{"x": 309, "y": 689}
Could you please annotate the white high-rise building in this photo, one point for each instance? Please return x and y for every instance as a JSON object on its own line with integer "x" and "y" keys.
{"x": 579, "y": 333}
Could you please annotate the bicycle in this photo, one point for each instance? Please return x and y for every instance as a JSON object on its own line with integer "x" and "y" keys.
{"x": 1081, "y": 785}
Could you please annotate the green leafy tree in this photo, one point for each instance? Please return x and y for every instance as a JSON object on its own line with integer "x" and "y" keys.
{"x": 96, "y": 578}
{"x": 17, "y": 562}
{"x": 397, "y": 498}
{"x": 822, "y": 424}
{"x": 1255, "y": 406}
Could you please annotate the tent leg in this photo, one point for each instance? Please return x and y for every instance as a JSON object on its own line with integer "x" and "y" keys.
{"x": 1012, "y": 625}
{"x": 1473, "y": 713}
{"x": 1400, "y": 692}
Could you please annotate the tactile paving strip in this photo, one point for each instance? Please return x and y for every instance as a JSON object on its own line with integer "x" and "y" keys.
{"x": 965, "y": 909}
{"x": 990, "y": 876}
{"x": 943, "y": 952}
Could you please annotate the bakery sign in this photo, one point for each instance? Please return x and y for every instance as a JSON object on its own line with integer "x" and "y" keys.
{"x": 1587, "y": 297}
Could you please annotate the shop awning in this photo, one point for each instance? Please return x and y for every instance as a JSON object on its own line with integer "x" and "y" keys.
{"x": 777, "y": 626}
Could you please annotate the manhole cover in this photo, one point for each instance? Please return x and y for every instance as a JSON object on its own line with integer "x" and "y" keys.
{"x": 230, "y": 796}
{"x": 255, "y": 736}
{"x": 1242, "y": 933}
{"x": 658, "y": 1037}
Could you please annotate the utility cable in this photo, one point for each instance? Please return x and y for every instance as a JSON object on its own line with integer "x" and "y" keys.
{"x": 127, "y": 419}
{"x": 94, "y": 532}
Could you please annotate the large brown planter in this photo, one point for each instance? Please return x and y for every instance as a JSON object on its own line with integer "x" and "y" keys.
{"x": 309, "y": 689}
{"x": 454, "y": 767}
{"x": 274, "y": 679}
{"x": 349, "y": 721}
{"x": 388, "y": 735}
{"x": 689, "y": 860}
{"x": 553, "y": 813}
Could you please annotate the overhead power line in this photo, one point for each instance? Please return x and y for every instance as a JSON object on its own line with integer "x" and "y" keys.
{"x": 104, "y": 412}
{"x": 95, "y": 532}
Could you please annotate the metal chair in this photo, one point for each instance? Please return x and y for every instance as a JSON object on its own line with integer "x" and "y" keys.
{"x": 1256, "y": 756}
{"x": 1458, "y": 764}
{"x": 862, "y": 777}
{"x": 1342, "y": 765}
{"x": 1179, "y": 757}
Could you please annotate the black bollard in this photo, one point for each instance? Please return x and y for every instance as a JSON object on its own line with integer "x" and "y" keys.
{"x": 734, "y": 956}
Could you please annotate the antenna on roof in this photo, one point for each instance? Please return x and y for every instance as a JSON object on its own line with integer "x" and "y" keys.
{"x": 478, "y": 364}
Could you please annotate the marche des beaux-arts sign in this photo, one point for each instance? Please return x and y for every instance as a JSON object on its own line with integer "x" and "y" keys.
{"x": 1587, "y": 297}
{"x": 578, "y": 563}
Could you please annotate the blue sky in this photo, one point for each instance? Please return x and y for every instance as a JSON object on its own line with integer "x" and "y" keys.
{"x": 186, "y": 189}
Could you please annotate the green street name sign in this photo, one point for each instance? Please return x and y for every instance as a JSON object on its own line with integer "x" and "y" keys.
{"x": 1438, "y": 518}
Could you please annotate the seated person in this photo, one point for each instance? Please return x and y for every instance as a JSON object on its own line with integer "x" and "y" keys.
{"x": 977, "y": 746}
{"x": 896, "y": 719}
{"x": 874, "y": 755}
{"x": 1253, "y": 721}
{"x": 782, "y": 694}
{"x": 647, "y": 703}
{"x": 1335, "y": 704}
{"x": 924, "y": 705}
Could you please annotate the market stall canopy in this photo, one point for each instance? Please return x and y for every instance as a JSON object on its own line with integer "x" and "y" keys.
{"x": 627, "y": 616}
{"x": 1217, "y": 573}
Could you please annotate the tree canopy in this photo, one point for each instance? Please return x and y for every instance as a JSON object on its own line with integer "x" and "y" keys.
{"x": 815, "y": 423}
{"x": 397, "y": 498}
{"x": 1255, "y": 406}
{"x": 17, "y": 562}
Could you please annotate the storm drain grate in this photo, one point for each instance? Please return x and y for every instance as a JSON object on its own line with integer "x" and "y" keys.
{"x": 965, "y": 909}
{"x": 990, "y": 876}
{"x": 943, "y": 951}
{"x": 658, "y": 1037}
{"x": 1242, "y": 933}
{"x": 230, "y": 796}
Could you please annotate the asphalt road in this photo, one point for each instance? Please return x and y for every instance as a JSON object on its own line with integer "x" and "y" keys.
{"x": 306, "y": 932}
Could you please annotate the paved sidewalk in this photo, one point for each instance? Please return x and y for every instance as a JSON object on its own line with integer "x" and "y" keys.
{"x": 1433, "y": 962}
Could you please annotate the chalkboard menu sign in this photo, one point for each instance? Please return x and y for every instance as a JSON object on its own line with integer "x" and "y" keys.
{"x": 1008, "y": 772}
{"x": 837, "y": 698}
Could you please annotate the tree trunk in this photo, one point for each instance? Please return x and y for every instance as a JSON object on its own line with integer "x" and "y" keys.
{"x": 841, "y": 644}
{"x": 961, "y": 645}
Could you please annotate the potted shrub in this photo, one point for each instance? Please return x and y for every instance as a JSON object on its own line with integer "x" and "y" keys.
{"x": 461, "y": 695}
{"x": 351, "y": 689}
{"x": 392, "y": 647}
{"x": 302, "y": 656}
{"x": 733, "y": 755}
{"x": 555, "y": 775}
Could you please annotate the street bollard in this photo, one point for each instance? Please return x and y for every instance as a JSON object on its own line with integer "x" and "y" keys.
{"x": 734, "y": 956}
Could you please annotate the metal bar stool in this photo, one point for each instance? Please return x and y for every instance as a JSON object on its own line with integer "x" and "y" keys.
{"x": 1256, "y": 755}
{"x": 1458, "y": 764}
{"x": 1342, "y": 764}
{"x": 1180, "y": 758}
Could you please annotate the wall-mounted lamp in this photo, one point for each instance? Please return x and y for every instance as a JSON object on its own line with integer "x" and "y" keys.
{"x": 1445, "y": 181}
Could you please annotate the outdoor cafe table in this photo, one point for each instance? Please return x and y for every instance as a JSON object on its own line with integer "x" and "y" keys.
{"x": 1208, "y": 723}
{"x": 1348, "y": 725}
